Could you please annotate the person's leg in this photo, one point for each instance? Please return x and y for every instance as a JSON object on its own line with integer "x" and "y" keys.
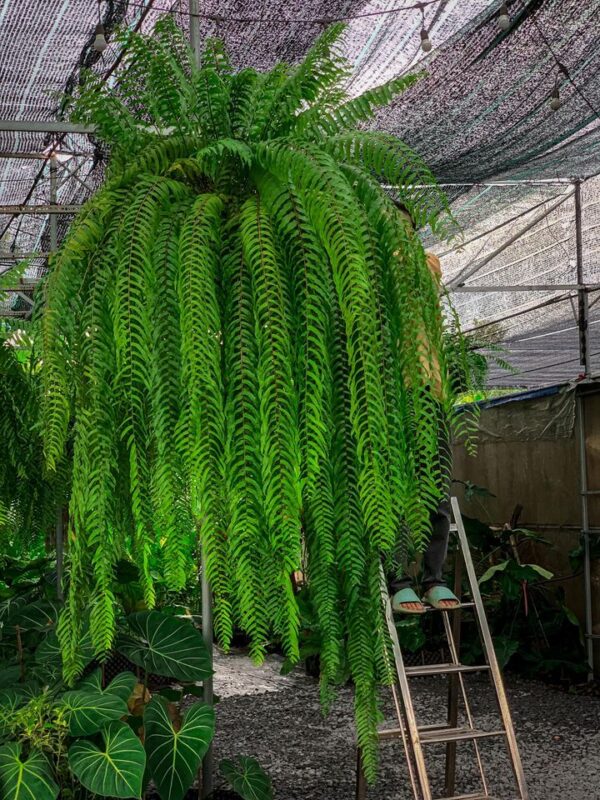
{"x": 435, "y": 555}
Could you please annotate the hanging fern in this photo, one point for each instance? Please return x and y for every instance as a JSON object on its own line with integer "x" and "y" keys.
{"x": 249, "y": 334}
{"x": 29, "y": 497}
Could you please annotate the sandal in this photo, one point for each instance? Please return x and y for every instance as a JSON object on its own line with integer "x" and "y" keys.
{"x": 437, "y": 595}
{"x": 404, "y": 597}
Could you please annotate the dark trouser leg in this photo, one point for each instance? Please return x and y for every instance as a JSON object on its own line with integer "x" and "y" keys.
{"x": 434, "y": 556}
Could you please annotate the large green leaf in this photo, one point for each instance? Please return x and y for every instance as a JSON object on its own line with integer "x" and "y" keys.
{"x": 9, "y": 675}
{"x": 122, "y": 685}
{"x": 87, "y": 711}
{"x": 29, "y": 779}
{"x": 247, "y": 778}
{"x": 116, "y": 770}
{"x": 40, "y": 616}
{"x": 166, "y": 646}
{"x": 173, "y": 754}
{"x": 48, "y": 656}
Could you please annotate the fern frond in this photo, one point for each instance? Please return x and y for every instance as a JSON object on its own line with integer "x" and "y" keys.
{"x": 247, "y": 535}
{"x": 279, "y": 434}
{"x": 203, "y": 420}
{"x": 350, "y": 114}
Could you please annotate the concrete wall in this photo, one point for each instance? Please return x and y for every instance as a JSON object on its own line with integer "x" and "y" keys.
{"x": 542, "y": 475}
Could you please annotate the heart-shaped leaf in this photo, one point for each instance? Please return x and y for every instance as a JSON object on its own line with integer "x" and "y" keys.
{"x": 48, "y": 656}
{"x": 87, "y": 711}
{"x": 91, "y": 682}
{"x": 246, "y": 777}
{"x": 166, "y": 646}
{"x": 115, "y": 771}
{"x": 122, "y": 685}
{"x": 9, "y": 676}
{"x": 40, "y": 616}
{"x": 174, "y": 751}
{"x": 28, "y": 779}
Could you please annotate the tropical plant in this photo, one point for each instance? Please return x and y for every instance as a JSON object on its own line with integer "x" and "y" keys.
{"x": 97, "y": 739}
{"x": 29, "y": 497}
{"x": 534, "y": 631}
{"x": 251, "y": 339}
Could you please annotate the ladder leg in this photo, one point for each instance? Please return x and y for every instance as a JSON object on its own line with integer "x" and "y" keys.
{"x": 492, "y": 660}
{"x": 412, "y": 731}
{"x": 450, "y": 771}
{"x": 361, "y": 782}
{"x": 454, "y": 654}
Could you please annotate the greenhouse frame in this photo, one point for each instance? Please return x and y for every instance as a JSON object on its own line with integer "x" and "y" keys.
{"x": 506, "y": 115}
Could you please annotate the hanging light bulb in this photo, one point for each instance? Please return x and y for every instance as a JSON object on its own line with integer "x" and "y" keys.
{"x": 425, "y": 41}
{"x": 555, "y": 101}
{"x": 100, "y": 43}
{"x": 504, "y": 17}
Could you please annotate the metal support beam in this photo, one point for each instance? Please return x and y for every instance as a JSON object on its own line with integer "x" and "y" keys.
{"x": 582, "y": 315}
{"x": 23, "y": 256}
{"x": 42, "y": 209}
{"x": 532, "y": 287}
{"x": 471, "y": 268}
{"x": 44, "y": 127}
{"x": 41, "y": 156}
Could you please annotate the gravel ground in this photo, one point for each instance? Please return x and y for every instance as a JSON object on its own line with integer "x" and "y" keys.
{"x": 278, "y": 720}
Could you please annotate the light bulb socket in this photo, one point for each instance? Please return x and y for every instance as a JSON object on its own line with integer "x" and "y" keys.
{"x": 425, "y": 41}
{"x": 100, "y": 43}
{"x": 504, "y": 17}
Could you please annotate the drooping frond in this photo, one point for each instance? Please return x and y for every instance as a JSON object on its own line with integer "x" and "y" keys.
{"x": 243, "y": 344}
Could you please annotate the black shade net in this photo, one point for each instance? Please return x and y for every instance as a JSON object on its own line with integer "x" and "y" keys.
{"x": 481, "y": 115}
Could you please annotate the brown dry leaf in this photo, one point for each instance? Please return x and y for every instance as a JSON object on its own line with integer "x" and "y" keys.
{"x": 138, "y": 700}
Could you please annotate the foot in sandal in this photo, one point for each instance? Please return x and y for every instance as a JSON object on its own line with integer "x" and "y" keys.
{"x": 441, "y": 597}
{"x": 406, "y": 601}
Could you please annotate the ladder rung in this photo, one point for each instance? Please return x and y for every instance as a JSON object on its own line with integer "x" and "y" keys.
{"x": 468, "y": 604}
{"x": 443, "y": 669}
{"x": 432, "y": 734}
{"x": 469, "y": 797}
{"x": 456, "y": 735}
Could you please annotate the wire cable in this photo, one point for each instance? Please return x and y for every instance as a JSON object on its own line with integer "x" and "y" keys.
{"x": 298, "y": 20}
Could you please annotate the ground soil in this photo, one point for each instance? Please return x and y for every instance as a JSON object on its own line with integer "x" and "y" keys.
{"x": 278, "y": 721}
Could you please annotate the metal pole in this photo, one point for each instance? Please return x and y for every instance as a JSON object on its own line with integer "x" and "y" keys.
{"x": 207, "y": 626}
{"x": 584, "y": 358}
{"x": 207, "y": 635}
{"x": 585, "y": 533}
{"x": 59, "y": 553}
{"x": 194, "y": 10}
{"x": 53, "y": 248}
{"x": 584, "y": 349}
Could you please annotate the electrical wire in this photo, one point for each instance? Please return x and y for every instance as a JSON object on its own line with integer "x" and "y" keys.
{"x": 563, "y": 69}
{"x": 298, "y": 20}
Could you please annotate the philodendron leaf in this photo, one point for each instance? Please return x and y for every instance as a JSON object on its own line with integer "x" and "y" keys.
{"x": 48, "y": 656}
{"x": 166, "y": 646}
{"x": 91, "y": 682}
{"x": 117, "y": 769}
{"x": 39, "y": 616}
{"x": 30, "y": 779}
{"x": 122, "y": 685}
{"x": 246, "y": 777}
{"x": 174, "y": 751}
{"x": 87, "y": 711}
